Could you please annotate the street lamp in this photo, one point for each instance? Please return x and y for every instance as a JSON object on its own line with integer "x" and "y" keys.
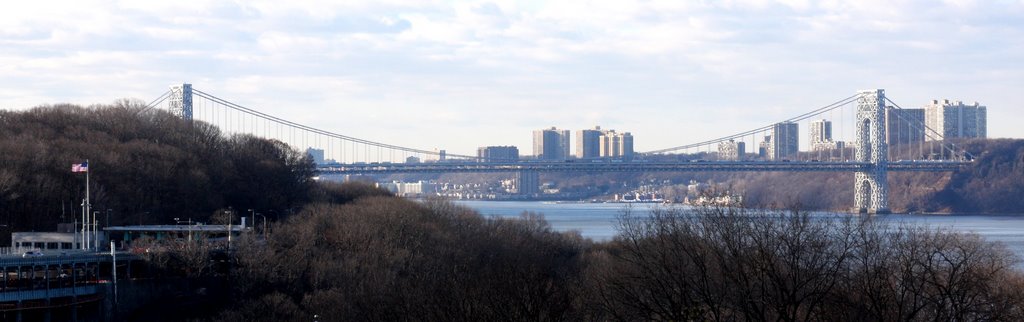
{"x": 95, "y": 231}
{"x": 230, "y": 217}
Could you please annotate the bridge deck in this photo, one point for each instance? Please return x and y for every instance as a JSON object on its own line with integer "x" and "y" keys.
{"x": 583, "y": 166}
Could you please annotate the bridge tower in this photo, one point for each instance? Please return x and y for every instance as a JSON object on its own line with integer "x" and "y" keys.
{"x": 871, "y": 188}
{"x": 180, "y": 103}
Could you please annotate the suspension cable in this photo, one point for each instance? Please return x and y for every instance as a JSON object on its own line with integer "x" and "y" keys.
{"x": 155, "y": 102}
{"x": 734, "y": 136}
{"x": 319, "y": 131}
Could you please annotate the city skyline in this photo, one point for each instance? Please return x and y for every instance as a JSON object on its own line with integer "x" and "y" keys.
{"x": 421, "y": 74}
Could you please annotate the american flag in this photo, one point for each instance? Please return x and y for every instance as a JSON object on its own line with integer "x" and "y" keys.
{"x": 80, "y": 167}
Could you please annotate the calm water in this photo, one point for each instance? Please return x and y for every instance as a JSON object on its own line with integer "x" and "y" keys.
{"x": 597, "y": 220}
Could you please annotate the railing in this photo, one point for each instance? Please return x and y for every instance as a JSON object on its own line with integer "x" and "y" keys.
{"x": 39, "y": 294}
{"x": 17, "y": 250}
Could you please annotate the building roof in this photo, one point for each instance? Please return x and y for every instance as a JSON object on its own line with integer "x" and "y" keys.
{"x": 176, "y": 228}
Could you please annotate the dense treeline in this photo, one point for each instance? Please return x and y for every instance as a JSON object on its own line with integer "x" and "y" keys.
{"x": 145, "y": 167}
{"x": 385, "y": 258}
{"x": 733, "y": 264}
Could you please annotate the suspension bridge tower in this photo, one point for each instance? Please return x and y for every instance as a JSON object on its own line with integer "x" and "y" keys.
{"x": 180, "y": 101}
{"x": 871, "y": 188}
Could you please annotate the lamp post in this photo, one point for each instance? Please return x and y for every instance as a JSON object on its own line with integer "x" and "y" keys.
{"x": 230, "y": 217}
{"x": 95, "y": 231}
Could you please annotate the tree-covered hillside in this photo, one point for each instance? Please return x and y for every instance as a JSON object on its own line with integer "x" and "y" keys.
{"x": 993, "y": 183}
{"x": 146, "y": 168}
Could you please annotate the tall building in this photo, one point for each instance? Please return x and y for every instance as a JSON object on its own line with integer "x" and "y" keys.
{"x": 904, "y": 126}
{"x": 821, "y": 136}
{"x": 951, "y": 119}
{"x": 551, "y": 144}
{"x": 821, "y": 131}
{"x": 498, "y": 153}
{"x": 616, "y": 145}
{"x": 785, "y": 142}
{"x": 588, "y": 143}
{"x": 731, "y": 150}
{"x": 762, "y": 148}
{"x": 316, "y": 154}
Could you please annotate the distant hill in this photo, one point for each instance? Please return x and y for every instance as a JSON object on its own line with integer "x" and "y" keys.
{"x": 146, "y": 168}
{"x": 994, "y": 183}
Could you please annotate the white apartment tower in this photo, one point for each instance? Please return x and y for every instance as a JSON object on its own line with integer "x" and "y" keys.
{"x": 731, "y": 150}
{"x": 821, "y": 131}
{"x": 616, "y": 145}
{"x": 954, "y": 119}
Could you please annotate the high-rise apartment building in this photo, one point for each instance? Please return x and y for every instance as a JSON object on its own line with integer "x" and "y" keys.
{"x": 951, "y": 119}
{"x": 821, "y": 136}
{"x": 903, "y": 126}
{"x": 498, "y": 153}
{"x": 551, "y": 144}
{"x": 588, "y": 143}
{"x": 821, "y": 131}
{"x": 316, "y": 154}
{"x": 616, "y": 145}
{"x": 762, "y": 148}
{"x": 731, "y": 150}
{"x": 785, "y": 142}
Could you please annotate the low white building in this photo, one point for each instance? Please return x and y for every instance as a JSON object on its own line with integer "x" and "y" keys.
{"x": 47, "y": 240}
{"x": 410, "y": 189}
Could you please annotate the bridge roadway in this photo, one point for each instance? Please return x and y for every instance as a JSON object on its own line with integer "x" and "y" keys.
{"x": 635, "y": 166}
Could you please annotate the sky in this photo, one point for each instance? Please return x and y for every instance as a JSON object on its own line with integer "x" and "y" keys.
{"x": 456, "y": 75}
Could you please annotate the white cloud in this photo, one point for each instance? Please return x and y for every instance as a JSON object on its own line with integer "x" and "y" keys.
{"x": 424, "y": 72}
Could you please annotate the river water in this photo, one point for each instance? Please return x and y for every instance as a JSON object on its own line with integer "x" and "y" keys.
{"x": 597, "y": 220}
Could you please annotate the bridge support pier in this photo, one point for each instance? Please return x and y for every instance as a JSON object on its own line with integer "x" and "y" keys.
{"x": 871, "y": 187}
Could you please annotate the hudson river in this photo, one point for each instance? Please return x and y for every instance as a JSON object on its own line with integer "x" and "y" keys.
{"x": 597, "y": 220}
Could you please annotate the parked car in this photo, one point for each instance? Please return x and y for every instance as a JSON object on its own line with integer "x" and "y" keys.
{"x": 32, "y": 253}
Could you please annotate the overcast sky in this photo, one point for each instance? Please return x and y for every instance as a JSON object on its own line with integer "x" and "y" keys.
{"x": 457, "y": 75}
